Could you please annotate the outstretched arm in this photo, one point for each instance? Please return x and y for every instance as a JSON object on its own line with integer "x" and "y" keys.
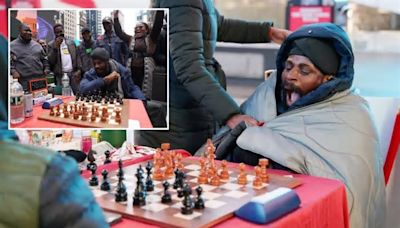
{"x": 118, "y": 30}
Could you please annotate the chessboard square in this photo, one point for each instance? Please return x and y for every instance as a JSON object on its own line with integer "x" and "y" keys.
{"x": 156, "y": 190}
{"x": 214, "y": 204}
{"x": 153, "y": 198}
{"x": 155, "y": 207}
{"x": 188, "y": 217}
{"x": 206, "y": 187}
{"x": 210, "y": 195}
{"x": 177, "y": 205}
{"x": 192, "y": 167}
{"x": 175, "y": 197}
{"x": 260, "y": 187}
{"x": 250, "y": 177}
{"x": 236, "y": 194}
{"x": 231, "y": 186}
{"x": 193, "y": 173}
{"x": 193, "y": 180}
{"x": 98, "y": 193}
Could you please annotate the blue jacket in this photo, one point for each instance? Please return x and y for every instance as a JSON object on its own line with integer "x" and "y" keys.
{"x": 91, "y": 81}
{"x": 118, "y": 49}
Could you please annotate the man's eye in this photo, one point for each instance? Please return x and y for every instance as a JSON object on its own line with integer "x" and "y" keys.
{"x": 304, "y": 72}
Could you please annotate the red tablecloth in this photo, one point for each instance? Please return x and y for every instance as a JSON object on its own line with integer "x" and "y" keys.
{"x": 323, "y": 204}
{"x": 136, "y": 112}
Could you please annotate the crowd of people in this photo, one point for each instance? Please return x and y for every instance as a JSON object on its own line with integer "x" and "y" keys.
{"x": 122, "y": 67}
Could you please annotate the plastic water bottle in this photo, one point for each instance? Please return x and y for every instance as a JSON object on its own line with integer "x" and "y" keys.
{"x": 17, "y": 112}
{"x": 66, "y": 88}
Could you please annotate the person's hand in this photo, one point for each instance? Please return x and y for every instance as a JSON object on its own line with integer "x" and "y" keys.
{"x": 58, "y": 41}
{"x": 236, "y": 119}
{"x": 115, "y": 13}
{"x": 77, "y": 76}
{"x": 111, "y": 77}
{"x": 278, "y": 35}
{"x": 16, "y": 75}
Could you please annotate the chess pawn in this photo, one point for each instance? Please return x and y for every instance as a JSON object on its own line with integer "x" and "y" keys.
{"x": 52, "y": 111}
{"x": 215, "y": 180}
{"x": 84, "y": 117}
{"x": 58, "y": 113}
{"x": 199, "y": 204}
{"x": 224, "y": 175}
{"x": 76, "y": 115}
{"x": 158, "y": 174}
{"x": 66, "y": 114}
{"x": 107, "y": 154}
{"x": 93, "y": 117}
{"x": 93, "y": 180}
{"x": 118, "y": 116}
{"x": 263, "y": 163}
{"x": 202, "y": 178}
{"x": 257, "y": 180}
{"x": 105, "y": 186}
{"x": 242, "y": 178}
{"x": 187, "y": 202}
{"x": 166, "y": 198}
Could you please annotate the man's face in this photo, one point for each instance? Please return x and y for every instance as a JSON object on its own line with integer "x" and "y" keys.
{"x": 59, "y": 31}
{"x": 43, "y": 43}
{"x": 86, "y": 36}
{"x": 26, "y": 33}
{"x": 300, "y": 77}
{"x": 100, "y": 66}
{"x": 107, "y": 26}
{"x": 140, "y": 30}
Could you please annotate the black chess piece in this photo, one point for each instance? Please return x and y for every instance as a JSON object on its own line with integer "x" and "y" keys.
{"x": 187, "y": 202}
{"x": 91, "y": 159}
{"x": 94, "y": 181}
{"x": 105, "y": 186}
{"x": 121, "y": 195}
{"x": 166, "y": 198}
{"x": 107, "y": 154}
{"x": 178, "y": 183}
{"x": 199, "y": 204}
{"x": 149, "y": 181}
{"x": 120, "y": 170}
{"x": 139, "y": 197}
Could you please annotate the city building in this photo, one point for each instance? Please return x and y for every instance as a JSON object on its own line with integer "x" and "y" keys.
{"x": 69, "y": 21}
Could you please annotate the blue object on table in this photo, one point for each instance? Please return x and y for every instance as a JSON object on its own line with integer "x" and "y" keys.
{"x": 52, "y": 102}
{"x": 269, "y": 206}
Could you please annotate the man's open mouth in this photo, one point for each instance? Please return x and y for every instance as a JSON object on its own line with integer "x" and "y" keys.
{"x": 291, "y": 97}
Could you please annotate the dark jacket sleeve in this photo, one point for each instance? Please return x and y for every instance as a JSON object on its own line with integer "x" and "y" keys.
{"x": 65, "y": 198}
{"x": 120, "y": 33}
{"x": 239, "y": 31}
{"x": 186, "y": 47}
{"x": 157, "y": 26}
{"x": 45, "y": 61}
{"x": 90, "y": 82}
{"x": 53, "y": 56}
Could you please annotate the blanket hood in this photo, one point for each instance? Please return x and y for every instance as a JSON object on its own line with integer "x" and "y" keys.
{"x": 342, "y": 80}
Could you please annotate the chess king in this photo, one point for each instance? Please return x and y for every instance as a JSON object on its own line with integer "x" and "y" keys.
{"x": 109, "y": 75}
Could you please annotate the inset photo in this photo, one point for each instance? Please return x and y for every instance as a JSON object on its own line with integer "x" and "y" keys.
{"x": 88, "y": 68}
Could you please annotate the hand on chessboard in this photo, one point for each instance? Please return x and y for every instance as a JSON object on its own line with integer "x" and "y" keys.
{"x": 236, "y": 119}
{"x": 111, "y": 77}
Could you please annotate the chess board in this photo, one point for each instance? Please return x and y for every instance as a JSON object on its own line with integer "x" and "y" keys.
{"x": 220, "y": 202}
{"x": 109, "y": 123}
